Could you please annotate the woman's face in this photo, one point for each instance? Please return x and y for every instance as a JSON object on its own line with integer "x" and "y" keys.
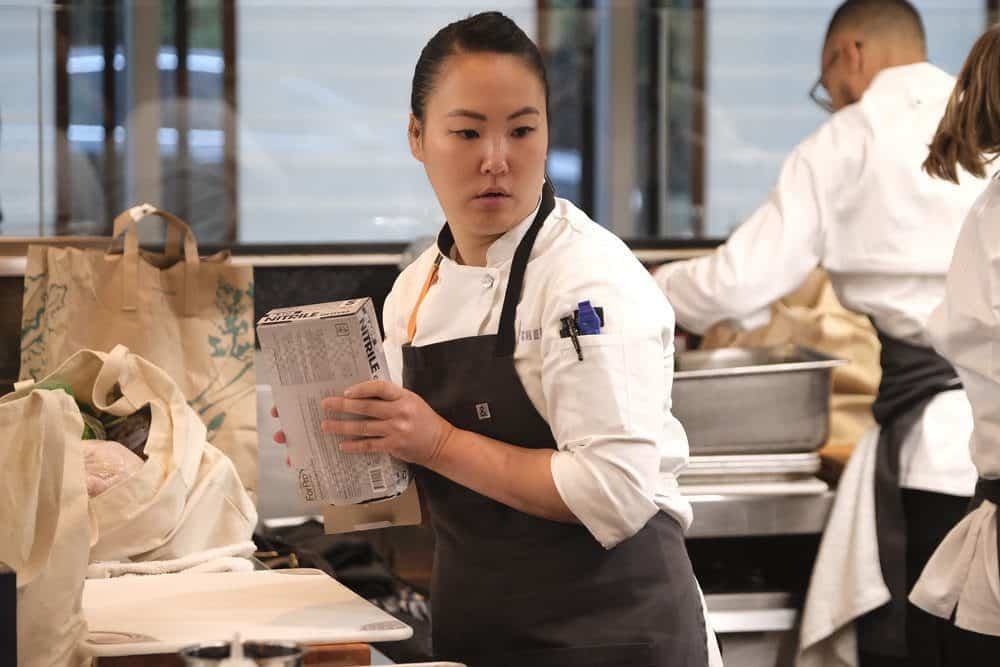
{"x": 483, "y": 141}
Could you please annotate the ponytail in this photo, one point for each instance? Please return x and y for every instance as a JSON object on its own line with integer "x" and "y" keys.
{"x": 969, "y": 133}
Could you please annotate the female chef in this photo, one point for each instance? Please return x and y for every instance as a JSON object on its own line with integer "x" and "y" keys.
{"x": 962, "y": 580}
{"x": 535, "y": 358}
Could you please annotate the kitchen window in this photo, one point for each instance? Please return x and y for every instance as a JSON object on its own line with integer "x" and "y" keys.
{"x": 265, "y": 122}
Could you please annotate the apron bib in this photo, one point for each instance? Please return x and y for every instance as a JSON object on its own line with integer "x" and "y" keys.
{"x": 513, "y": 589}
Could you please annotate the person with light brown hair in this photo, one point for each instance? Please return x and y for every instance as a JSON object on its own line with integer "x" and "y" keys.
{"x": 961, "y": 581}
{"x": 852, "y": 198}
{"x": 968, "y": 136}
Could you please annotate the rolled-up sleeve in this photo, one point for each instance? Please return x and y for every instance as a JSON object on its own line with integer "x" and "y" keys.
{"x": 618, "y": 445}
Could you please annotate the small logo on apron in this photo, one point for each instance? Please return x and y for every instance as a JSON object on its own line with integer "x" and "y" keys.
{"x": 483, "y": 411}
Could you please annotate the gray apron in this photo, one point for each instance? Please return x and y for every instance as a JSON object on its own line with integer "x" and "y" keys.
{"x": 911, "y": 377}
{"x": 512, "y": 589}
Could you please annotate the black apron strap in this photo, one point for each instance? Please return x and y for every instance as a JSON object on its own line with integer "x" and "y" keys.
{"x": 910, "y": 374}
{"x": 988, "y": 489}
{"x": 911, "y": 377}
{"x": 515, "y": 284}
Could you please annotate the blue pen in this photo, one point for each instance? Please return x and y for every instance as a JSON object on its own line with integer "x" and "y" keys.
{"x": 588, "y": 322}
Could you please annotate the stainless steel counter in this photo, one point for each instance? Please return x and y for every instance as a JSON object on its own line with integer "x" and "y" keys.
{"x": 755, "y": 629}
{"x": 752, "y": 612}
{"x": 746, "y": 515}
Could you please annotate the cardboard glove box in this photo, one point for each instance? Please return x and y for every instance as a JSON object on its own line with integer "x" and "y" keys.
{"x": 309, "y": 353}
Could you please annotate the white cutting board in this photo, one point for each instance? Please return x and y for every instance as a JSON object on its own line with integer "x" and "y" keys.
{"x": 139, "y": 615}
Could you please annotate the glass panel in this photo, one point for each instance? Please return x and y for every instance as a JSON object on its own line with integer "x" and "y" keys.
{"x": 324, "y": 102}
{"x": 194, "y": 110}
{"x": 20, "y": 176}
{"x": 568, "y": 38}
{"x": 682, "y": 41}
{"x": 275, "y": 122}
{"x": 760, "y": 71}
{"x": 89, "y": 165}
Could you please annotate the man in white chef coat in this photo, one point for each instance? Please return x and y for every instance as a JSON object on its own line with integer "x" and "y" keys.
{"x": 853, "y": 199}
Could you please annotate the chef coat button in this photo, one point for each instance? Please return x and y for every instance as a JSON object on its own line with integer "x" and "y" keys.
{"x": 487, "y": 282}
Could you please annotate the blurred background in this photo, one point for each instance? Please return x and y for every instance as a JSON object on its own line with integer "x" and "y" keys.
{"x": 285, "y": 122}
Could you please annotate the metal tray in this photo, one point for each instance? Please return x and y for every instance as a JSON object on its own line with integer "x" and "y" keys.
{"x": 749, "y": 468}
{"x": 756, "y": 515}
{"x": 764, "y": 400}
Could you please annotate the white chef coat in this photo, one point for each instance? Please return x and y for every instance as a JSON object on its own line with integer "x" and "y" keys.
{"x": 965, "y": 329}
{"x": 619, "y": 447}
{"x": 852, "y": 197}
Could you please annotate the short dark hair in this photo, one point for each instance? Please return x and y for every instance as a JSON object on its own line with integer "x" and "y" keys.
{"x": 895, "y": 16}
{"x": 488, "y": 32}
{"x": 969, "y": 133}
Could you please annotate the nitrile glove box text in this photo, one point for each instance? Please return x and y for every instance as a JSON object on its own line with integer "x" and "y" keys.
{"x": 312, "y": 352}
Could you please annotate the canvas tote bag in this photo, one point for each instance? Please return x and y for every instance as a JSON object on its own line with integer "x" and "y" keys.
{"x": 186, "y": 498}
{"x": 46, "y": 525}
{"x": 191, "y": 316}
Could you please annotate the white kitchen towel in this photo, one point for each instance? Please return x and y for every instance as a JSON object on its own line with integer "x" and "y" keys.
{"x": 230, "y": 558}
{"x": 847, "y": 578}
{"x": 961, "y": 577}
{"x": 46, "y": 524}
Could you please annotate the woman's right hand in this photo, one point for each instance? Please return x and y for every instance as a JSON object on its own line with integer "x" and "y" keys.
{"x": 279, "y": 435}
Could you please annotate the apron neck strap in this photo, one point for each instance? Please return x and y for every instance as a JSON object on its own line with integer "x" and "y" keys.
{"x": 505, "y": 335}
{"x": 515, "y": 284}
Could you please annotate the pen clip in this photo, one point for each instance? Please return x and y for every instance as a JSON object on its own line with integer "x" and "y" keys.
{"x": 569, "y": 328}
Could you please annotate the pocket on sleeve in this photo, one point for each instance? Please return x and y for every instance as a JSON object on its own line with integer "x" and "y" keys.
{"x": 591, "y": 396}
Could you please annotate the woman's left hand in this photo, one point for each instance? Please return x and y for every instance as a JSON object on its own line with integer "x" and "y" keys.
{"x": 398, "y": 422}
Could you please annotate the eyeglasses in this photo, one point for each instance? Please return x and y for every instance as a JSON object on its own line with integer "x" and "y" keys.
{"x": 818, "y": 93}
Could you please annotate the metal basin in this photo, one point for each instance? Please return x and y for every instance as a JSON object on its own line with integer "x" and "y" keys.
{"x": 765, "y": 400}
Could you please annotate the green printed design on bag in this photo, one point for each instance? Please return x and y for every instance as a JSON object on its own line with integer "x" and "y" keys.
{"x": 36, "y": 325}
{"x": 216, "y": 422}
{"x": 233, "y": 307}
{"x": 235, "y": 341}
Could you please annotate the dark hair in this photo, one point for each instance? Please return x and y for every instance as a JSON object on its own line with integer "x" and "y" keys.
{"x": 488, "y": 32}
{"x": 897, "y": 17}
{"x": 969, "y": 132}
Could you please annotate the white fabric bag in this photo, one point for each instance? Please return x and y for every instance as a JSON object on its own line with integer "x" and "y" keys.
{"x": 45, "y": 523}
{"x": 187, "y": 497}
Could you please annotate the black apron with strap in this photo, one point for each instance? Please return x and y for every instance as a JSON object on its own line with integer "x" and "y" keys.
{"x": 911, "y": 377}
{"x": 511, "y": 589}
